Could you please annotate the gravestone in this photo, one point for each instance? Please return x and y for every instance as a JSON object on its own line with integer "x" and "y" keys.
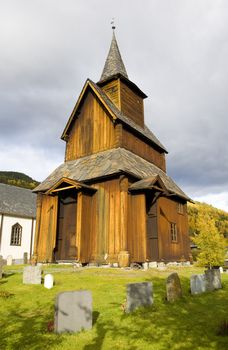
{"x": 32, "y": 275}
{"x": 198, "y": 284}
{"x": 221, "y": 269}
{"x": 73, "y": 311}
{"x": 139, "y": 294}
{"x": 1, "y": 264}
{"x": 9, "y": 260}
{"x": 153, "y": 264}
{"x": 48, "y": 281}
{"x": 25, "y": 258}
{"x": 213, "y": 278}
{"x": 145, "y": 266}
{"x": 173, "y": 287}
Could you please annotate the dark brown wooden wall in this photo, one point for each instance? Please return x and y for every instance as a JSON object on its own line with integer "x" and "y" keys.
{"x": 167, "y": 213}
{"x": 142, "y": 149}
{"x": 131, "y": 104}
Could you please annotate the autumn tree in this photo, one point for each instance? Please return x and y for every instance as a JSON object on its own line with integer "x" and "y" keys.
{"x": 210, "y": 242}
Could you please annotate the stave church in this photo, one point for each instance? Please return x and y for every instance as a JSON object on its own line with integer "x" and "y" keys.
{"x": 111, "y": 201}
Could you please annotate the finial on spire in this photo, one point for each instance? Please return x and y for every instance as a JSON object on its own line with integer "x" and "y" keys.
{"x": 113, "y": 24}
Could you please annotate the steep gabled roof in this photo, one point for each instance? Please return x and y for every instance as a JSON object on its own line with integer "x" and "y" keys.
{"x": 114, "y": 63}
{"x": 106, "y": 163}
{"x": 149, "y": 183}
{"x": 114, "y": 112}
{"x": 17, "y": 201}
{"x": 65, "y": 184}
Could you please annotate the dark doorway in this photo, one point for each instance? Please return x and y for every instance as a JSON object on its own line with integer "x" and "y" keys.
{"x": 152, "y": 228}
{"x": 66, "y": 227}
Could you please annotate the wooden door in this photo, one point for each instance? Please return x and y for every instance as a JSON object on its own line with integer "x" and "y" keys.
{"x": 152, "y": 231}
{"x": 66, "y": 228}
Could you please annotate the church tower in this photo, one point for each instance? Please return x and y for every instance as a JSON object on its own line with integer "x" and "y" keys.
{"x": 111, "y": 200}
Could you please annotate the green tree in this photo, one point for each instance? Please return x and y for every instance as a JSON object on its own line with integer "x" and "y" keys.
{"x": 210, "y": 242}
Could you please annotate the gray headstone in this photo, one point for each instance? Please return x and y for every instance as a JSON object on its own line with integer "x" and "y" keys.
{"x": 173, "y": 287}
{"x": 139, "y": 294}
{"x": 25, "y": 258}
{"x": 213, "y": 278}
{"x": 198, "y": 284}
{"x": 1, "y": 264}
{"x": 73, "y": 311}
{"x": 32, "y": 275}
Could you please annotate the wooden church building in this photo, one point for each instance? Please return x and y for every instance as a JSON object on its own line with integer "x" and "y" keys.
{"x": 111, "y": 200}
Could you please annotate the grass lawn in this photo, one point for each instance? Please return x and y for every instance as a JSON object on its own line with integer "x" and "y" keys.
{"x": 190, "y": 323}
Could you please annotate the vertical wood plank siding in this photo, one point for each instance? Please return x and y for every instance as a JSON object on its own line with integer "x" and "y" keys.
{"x": 142, "y": 149}
{"x": 131, "y": 104}
{"x": 93, "y": 130}
{"x": 137, "y": 227}
{"x": 167, "y": 214}
{"x": 112, "y": 90}
{"x": 47, "y": 229}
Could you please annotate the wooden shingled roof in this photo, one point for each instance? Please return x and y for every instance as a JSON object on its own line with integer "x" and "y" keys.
{"x": 115, "y": 113}
{"x": 114, "y": 63}
{"x": 106, "y": 163}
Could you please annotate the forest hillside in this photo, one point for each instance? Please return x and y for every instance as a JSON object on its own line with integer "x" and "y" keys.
{"x": 17, "y": 179}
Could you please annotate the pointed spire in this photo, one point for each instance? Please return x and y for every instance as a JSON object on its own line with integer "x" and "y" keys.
{"x": 114, "y": 63}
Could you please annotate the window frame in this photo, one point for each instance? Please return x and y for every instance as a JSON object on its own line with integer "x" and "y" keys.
{"x": 180, "y": 208}
{"x": 16, "y": 235}
{"x": 173, "y": 232}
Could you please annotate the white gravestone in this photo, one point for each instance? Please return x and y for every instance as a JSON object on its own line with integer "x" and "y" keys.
{"x": 9, "y": 260}
{"x": 48, "y": 281}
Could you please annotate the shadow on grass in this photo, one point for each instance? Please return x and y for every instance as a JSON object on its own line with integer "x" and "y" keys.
{"x": 30, "y": 330}
{"x": 186, "y": 324}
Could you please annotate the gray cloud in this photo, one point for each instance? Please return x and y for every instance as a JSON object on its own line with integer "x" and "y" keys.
{"x": 176, "y": 51}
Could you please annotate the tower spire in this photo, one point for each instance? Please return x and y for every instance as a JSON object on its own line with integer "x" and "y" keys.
{"x": 114, "y": 63}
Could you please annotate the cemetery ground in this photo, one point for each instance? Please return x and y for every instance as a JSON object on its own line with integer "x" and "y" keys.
{"x": 27, "y": 312}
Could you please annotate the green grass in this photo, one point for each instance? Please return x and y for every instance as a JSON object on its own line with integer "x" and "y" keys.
{"x": 191, "y": 323}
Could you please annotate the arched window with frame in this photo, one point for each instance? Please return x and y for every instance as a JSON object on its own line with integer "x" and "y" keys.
{"x": 16, "y": 234}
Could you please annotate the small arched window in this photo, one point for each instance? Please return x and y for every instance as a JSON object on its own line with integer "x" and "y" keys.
{"x": 16, "y": 234}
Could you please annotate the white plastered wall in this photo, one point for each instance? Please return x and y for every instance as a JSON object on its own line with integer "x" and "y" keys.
{"x": 17, "y": 252}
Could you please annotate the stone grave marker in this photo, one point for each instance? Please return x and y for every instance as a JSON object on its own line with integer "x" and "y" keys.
{"x": 213, "y": 279}
{"x": 145, "y": 266}
{"x": 73, "y": 311}
{"x": 32, "y": 275}
{"x": 25, "y": 258}
{"x": 1, "y": 264}
{"x": 173, "y": 287}
{"x": 48, "y": 281}
{"x": 198, "y": 284}
{"x": 139, "y": 294}
{"x": 221, "y": 269}
{"x": 153, "y": 264}
{"x": 9, "y": 260}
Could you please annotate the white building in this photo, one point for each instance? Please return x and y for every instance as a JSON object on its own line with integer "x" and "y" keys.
{"x": 17, "y": 222}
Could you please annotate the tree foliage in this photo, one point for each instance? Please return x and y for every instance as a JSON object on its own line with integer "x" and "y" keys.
{"x": 210, "y": 242}
{"x": 17, "y": 179}
{"x": 197, "y": 210}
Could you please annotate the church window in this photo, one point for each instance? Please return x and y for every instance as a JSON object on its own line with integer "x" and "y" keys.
{"x": 180, "y": 208}
{"x": 16, "y": 235}
{"x": 173, "y": 229}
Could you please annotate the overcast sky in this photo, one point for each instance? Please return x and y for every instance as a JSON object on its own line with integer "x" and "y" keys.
{"x": 176, "y": 51}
